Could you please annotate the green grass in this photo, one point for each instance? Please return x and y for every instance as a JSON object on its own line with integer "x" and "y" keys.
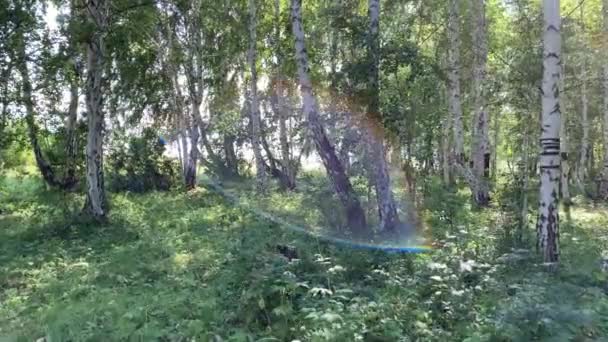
{"x": 183, "y": 267}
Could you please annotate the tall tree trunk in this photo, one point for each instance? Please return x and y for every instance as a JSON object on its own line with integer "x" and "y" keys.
{"x": 481, "y": 148}
{"x": 603, "y": 190}
{"x": 525, "y": 172}
{"x": 177, "y": 100}
{"x": 454, "y": 79}
{"x": 454, "y": 100}
{"x": 564, "y": 149}
{"x": 70, "y": 130}
{"x": 95, "y": 205}
{"x": 582, "y": 170}
{"x": 254, "y": 109}
{"x": 194, "y": 71}
{"x": 341, "y": 184}
{"x": 279, "y": 103}
{"x": 548, "y": 211}
{"x": 387, "y": 209}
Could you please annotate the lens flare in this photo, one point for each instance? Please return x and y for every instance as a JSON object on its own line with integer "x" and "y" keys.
{"x": 404, "y": 241}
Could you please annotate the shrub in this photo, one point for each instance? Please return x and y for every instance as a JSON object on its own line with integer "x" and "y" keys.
{"x": 140, "y": 165}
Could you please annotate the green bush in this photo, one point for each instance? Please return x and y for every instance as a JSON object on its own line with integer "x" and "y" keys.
{"x": 139, "y": 165}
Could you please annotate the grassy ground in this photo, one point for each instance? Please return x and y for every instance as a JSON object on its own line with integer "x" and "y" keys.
{"x": 185, "y": 267}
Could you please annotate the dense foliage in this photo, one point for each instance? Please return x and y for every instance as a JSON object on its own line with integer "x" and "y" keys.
{"x": 181, "y": 170}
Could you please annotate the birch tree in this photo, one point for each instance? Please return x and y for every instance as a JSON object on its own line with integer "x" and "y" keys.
{"x": 387, "y": 210}
{"x": 354, "y": 213}
{"x": 20, "y": 56}
{"x": 254, "y": 108}
{"x": 193, "y": 65}
{"x": 477, "y": 186}
{"x": 548, "y": 212}
{"x": 287, "y": 163}
{"x": 98, "y": 12}
{"x": 481, "y": 141}
{"x": 454, "y": 79}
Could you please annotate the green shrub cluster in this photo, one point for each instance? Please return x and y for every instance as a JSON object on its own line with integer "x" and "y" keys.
{"x": 139, "y": 164}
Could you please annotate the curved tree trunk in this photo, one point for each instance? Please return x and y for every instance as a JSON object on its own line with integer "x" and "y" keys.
{"x": 254, "y": 109}
{"x": 548, "y": 211}
{"x": 44, "y": 166}
{"x": 387, "y": 209}
{"x": 341, "y": 184}
{"x": 95, "y": 204}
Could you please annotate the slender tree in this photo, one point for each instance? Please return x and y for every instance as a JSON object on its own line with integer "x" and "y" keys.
{"x": 481, "y": 141}
{"x": 387, "y": 210}
{"x": 454, "y": 79}
{"x": 98, "y": 12}
{"x": 354, "y": 212}
{"x": 455, "y": 106}
{"x": 279, "y": 103}
{"x": 254, "y": 107}
{"x": 582, "y": 171}
{"x": 193, "y": 66}
{"x": 548, "y": 212}
{"x": 564, "y": 148}
{"x": 603, "y": 191}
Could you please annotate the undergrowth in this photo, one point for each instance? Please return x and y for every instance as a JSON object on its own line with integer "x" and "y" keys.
{"x": 184, "y": 267}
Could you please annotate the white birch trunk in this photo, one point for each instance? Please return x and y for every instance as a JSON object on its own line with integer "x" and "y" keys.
{"x": 481, "y": 148}
{"x": 454, "y": 101}
{"x": 98, "y": 11}
{"x": 194, "y": 75}
{"x": 454, "y": 79}
{"x": 286, "y": 158}
{"x": 548, "y": 211}
{"x": 255, "y": 107}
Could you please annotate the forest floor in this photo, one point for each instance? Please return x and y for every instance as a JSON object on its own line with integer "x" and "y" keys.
{"x": 185, "y": 267}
